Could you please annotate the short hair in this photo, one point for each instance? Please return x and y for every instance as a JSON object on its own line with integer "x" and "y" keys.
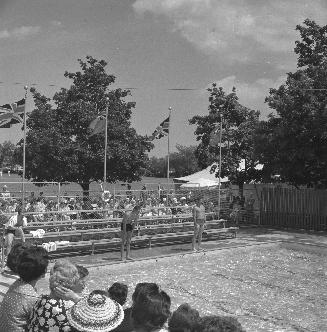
{"x": 144, "y": 286}
{"x": 118, "y": 292}
{"x": 32, "y": 263}
{"x": 14, "y": 255}
{"x": 64, "y": 273}
{"x": 184, "y": 319}
{"x": 151, "y": 308}
{"x": 219, "y": 323}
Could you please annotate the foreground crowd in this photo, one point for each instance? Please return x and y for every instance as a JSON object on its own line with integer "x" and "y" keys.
{"x": 70, "y": 306}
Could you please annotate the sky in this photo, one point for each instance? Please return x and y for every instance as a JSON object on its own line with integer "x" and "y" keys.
{"x": 154, "y": 46}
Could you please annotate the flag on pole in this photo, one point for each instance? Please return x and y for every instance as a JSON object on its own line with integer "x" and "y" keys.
{"x": 11, "y": 114}
{"x": 215, "y": 136}
{"x": 98, "y": 125}
{"x": 162, "y": 130}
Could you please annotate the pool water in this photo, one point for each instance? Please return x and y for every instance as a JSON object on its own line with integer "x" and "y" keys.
{"x": 268, "y": 287}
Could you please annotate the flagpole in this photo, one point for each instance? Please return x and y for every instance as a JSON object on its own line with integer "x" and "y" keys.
{"x": 105, "y": 148}
{"x": 220, "y": 133}
{"x": 24, "y": 153}
{"x": 170, "y": 109}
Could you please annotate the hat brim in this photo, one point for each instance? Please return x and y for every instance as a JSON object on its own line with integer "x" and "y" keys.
{"x": 89, "y": 319}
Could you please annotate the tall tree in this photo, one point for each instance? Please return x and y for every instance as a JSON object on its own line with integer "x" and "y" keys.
{"x": 59, "y": 147}
{"x": 238, "y": 125}
{"x": 293, "y": 142}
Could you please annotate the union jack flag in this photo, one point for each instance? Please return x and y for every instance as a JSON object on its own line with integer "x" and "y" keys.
{"x": 11, "y": 114}
{"x": 161, "y": 131}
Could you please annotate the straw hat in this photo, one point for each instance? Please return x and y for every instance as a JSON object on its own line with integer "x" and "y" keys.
{"x": 96, "y": 313}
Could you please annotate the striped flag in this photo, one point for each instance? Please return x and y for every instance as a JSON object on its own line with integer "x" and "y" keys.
{"x": 11, "y": 114}
{"x": 98, "y": 125}
{"x": 162, "y": 130}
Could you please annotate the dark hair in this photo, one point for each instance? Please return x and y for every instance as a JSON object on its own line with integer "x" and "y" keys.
{"x": 82, "y": 271}
{"x": 14, "y": 255}
{"x": 32, "y": 264}
{"x": 144, "y": 286}
{"x": 151, "y": 308}
{"x": 118, "y": 292}
{"x": 219, "y": 323}
{"x": 184, "y": 319}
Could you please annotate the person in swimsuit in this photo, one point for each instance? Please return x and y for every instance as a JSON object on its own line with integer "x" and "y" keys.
{"x": 127, "y": 226}
{"x": 199, "y": 217}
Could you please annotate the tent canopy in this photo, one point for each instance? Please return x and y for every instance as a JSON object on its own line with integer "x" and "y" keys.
{"x": 201, "y": 182}
{"x": 201, "y": 177}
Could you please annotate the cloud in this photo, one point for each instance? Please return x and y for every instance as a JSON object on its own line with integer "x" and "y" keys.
{"x": 20, "y": 32}
{"x": 236, "y": 28}
{"x": 252, "y": 94}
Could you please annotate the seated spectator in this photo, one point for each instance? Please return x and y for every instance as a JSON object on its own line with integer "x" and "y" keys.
{"x": 18, "y": 302}
{"x": 184, "y": 319}
{"x": 118, "y": 292}
{"x": 14, "y": 227}
{"x": 50, "y": 311}
{"x": 81, "y": 287}
{"x": 219, "y": 324}
{"x": 96, "y": 313}
{"x": 151, "y": 308}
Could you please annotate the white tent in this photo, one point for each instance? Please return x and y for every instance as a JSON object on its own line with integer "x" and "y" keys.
{"x": 201, "y": 182}
{"x": 201, "y": 176}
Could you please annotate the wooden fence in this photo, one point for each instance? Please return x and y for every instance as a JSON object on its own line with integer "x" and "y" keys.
{"x": 292, "y": 208}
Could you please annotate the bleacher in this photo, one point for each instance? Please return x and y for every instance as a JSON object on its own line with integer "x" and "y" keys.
{"x": 92, "y": 236}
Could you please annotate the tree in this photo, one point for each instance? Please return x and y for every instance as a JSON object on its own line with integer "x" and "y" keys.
{"x": 58, "y": 145}
{"x": 182, "y": 163}
{"x": 7, "y": 150}
{"x": 293, "y": 142}
{"x": 238, "y": 125}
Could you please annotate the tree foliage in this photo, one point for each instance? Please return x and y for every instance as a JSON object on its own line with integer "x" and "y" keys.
{"x": 238, "y": 126}
{"x": 7, "y": 150}
{"x": 58, "y": 145}
{"x": 293, "y": 142}
{"x": 181, "y": 163}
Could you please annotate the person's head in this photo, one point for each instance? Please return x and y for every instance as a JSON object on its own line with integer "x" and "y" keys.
{"x": 219, "y": 323}
{"x": 118, "y": 292}
{"x": 136, "y": 209}
{"x": 64, "y": 273}
{"x": 14, "y": 255}
{"x": 32, "y": 264}
{"x": 184, "y": 319}
{"x": 150, "y": 309}
{"x": 4, "y": 188}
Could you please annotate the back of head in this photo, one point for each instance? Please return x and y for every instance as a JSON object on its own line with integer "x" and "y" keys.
{"x": 118, "y": 292}
{"x": 144, "y": 287}
{"x": 151, "y": 308}
{"x": 32, "y": 264}
{"x": 184, "y": 319}
{"x": 64, "y": 273}
{"x": 14, "y": 255}
{"x": 219, "y": 324}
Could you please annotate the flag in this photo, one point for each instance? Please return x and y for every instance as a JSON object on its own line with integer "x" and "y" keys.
{"x": 162, "y": 130}
{"x": 11, "y": 114}
{"x": 215, "y": 136}
{"x": 98, "y": 125}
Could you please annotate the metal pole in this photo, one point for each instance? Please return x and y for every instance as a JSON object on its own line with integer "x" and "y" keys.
{"x": 105, "y": 148}
{"x": 24, "y": 153}
{"x": 220, "y": 133}
{"x": 168, "y": 147}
